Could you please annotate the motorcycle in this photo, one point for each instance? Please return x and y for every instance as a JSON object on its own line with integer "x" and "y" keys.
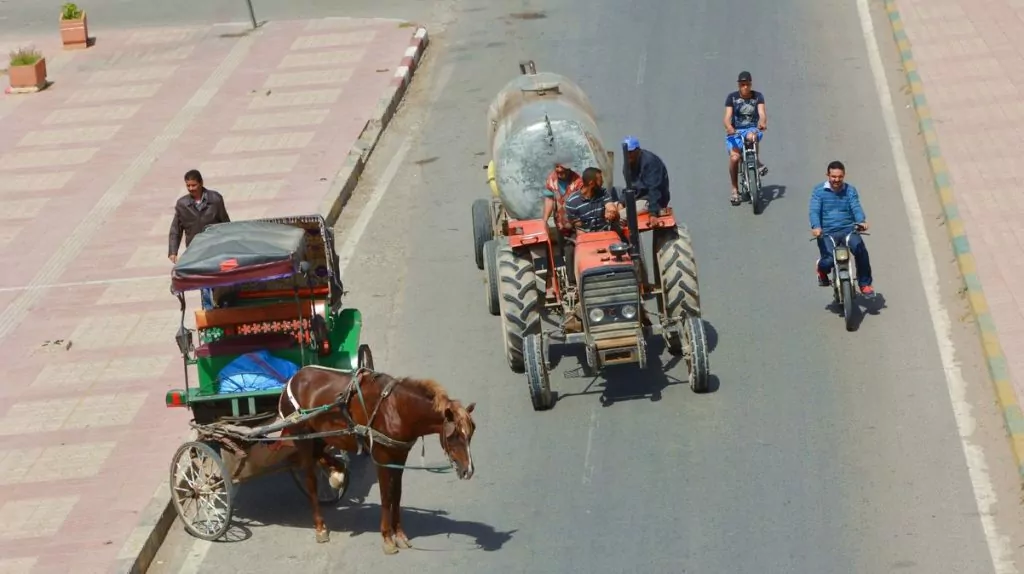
{"x": 844, "y": 275}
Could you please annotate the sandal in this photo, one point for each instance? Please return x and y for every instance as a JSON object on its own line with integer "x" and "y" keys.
{"x": 735, "y": 199}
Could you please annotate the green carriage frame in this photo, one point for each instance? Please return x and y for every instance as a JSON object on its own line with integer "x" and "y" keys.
{"x": 277, "y": 289}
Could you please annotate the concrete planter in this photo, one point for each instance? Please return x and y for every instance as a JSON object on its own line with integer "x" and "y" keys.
{"x": 74, "y": 34}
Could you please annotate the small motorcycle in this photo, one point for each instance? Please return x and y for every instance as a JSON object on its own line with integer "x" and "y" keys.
{"x": 750, "y": 175}
{"x": 844, "y": 275}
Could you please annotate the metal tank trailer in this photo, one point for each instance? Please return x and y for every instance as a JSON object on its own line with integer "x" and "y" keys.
{"x": 536, "y": 121}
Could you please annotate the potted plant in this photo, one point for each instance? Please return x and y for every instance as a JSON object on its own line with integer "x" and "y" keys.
{"x": 74, "y": 26}
{"x": 27, "y": 70}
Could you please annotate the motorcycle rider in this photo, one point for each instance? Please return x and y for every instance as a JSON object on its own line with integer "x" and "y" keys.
{"x": 835, "y": 210}
{"x": 745, "y": 118}
{"x": 644, "y": 171}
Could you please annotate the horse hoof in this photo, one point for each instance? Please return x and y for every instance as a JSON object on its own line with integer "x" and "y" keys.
{"x": 403, "y": 543}
{"x": 323, "y": 536}
{"x": 390, "y": 548}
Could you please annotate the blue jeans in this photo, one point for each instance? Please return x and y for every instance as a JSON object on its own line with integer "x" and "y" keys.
{"x": 207, "y": 298}
{"x": 860, "y": 256}
{"x": 735, "y": 141}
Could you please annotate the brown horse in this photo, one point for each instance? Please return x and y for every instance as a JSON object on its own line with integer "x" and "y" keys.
{"x": 384, "y": 416}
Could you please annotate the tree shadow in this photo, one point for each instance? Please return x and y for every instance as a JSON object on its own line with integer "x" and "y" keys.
{"x": 621, "y": 383}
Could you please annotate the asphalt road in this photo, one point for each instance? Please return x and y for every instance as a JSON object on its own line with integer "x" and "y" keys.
{"x": 820, "y": 451}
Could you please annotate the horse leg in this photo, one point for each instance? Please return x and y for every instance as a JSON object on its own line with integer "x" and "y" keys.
{"x": 308, "y": 462}
{"x": 396, "y": 510}
{"x": 386, "y": 484}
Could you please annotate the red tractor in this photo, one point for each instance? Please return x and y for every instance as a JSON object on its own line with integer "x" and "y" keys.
{"x": 535, "y": 119}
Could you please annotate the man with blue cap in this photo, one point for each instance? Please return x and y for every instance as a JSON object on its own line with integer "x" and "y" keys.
{"x": 644, "y": 172}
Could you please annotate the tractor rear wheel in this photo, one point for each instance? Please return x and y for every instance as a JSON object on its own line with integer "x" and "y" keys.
{"x": 519, "y": 302}
{"x": 677, "y": 276}
{"x": 482, "y": 230}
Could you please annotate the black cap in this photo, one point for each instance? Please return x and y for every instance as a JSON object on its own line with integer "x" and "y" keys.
{"x": 744, "y": 77}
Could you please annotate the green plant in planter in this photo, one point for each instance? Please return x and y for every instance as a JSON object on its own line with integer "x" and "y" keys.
{"x": 70, "y": 11}
{"x": 25, "y": 57}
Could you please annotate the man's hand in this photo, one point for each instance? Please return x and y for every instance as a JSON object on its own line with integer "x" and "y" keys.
{"x": 816, "y": 233}
{"x": 729, "y": 130}
{"x": 611, "y": 212}
{"x": 173, "y": 258}
{"x": 762, "y": 125}
{"x": 863, "y": 225}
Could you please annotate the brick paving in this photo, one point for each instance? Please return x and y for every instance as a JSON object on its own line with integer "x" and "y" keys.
{"x": 89, "y": 171}
{"x": 970, "y": 65}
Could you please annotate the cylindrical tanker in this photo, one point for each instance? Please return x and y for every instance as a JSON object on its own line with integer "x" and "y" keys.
{"x": 536, "y": 121}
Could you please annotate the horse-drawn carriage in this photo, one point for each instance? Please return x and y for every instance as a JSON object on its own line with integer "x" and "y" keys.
{"x": 284, "y": 382}
{"x": 278, "y": 308}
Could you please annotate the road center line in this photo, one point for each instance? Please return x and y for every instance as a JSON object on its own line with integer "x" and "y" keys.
{"x": 984, "y": 493}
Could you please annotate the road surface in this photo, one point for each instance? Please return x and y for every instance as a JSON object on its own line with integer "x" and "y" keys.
{"x": 820, "y": 450}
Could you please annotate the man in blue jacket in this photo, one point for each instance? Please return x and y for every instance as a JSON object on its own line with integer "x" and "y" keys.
{"x": 835, "y": 210}
{"x": 644, "y": 171}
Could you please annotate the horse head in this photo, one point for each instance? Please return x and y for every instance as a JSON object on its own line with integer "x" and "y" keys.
{"x": 456, "y": 435}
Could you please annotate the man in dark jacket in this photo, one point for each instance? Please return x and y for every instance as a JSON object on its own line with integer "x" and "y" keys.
{"x": 193, "y": 212}
{"x": 646, "y": 173}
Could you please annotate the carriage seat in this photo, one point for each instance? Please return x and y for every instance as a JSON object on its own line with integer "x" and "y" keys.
{"x": 246, "y": 329}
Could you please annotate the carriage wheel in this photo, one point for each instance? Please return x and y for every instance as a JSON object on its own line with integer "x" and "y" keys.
{"x": 364, "y": 357}
{"x": 201, "y": 489}
{"x": 325, "y": 493}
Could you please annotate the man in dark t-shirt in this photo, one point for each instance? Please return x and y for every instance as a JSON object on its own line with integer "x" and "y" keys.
{"x": 745, "y": 117}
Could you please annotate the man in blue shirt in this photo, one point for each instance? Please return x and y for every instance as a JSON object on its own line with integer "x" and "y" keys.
{"x": 745, "y": 117}
{"x": 835, "y": 210}
{"x": 646, "y": 173}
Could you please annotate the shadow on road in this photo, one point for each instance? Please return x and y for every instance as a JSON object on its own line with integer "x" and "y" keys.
{"x": 770, "y": 193}
{"x": 863, "y": 306}
{"x": 276, "y": 501}
{"x": 627, "y": 382}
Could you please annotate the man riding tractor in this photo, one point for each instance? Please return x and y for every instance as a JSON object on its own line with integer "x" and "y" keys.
{"x": 592, "y": 208}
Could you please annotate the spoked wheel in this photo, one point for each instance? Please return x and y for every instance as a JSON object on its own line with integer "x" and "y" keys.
{"x": 697, "y": 344}
{"x": 201, "y": 489}
{"x": 537, "y": 373}
{"x": 848, "y": 310}
{"x": 754, "y": 187}
{"x": 325, "y": 492}
{"x": 364, "y": 357}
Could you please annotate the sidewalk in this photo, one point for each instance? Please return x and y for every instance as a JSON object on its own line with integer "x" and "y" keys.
{"x": 964, "y": 55}
{"x": 90, "y": 169}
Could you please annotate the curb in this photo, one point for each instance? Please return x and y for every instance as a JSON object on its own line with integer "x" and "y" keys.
{"x": 344, "y": 182}
{"x": 998, "y": 372}
{"x": 156, "y": 519}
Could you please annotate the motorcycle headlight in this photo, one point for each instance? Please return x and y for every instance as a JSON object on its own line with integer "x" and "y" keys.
{"x": 628, "y": 311}
{"x": 596, "y": 315}
{"x": 842, "y": 254}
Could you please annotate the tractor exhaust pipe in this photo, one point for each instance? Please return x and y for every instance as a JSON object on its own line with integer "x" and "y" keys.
{"x": 629, "y": 199}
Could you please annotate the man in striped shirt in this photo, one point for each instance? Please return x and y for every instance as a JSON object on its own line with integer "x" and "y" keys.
{"x": 835, "y": 211}
{"x": 592, "y": 207}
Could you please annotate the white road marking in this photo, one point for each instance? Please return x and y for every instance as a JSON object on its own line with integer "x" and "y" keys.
{"x": 197, "y": 554}
{"x": 984, "y": 494}
{"x": 588, "y": 466}
{"x": 641, "y": 67}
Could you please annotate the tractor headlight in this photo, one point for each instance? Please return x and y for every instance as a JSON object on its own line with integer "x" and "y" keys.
{"x": 628, "y": 311}
{"x": 596, "y": 315}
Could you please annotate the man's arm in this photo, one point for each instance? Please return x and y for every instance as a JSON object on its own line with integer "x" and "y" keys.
{"x": 727, "y": 118}
{"x": 174, "y": 236}
{"x": 855, "y": 207}
{"x": 549, "y": 206}
{"x": 762, "y": 113}
{"x": 222, "y": 211}
{"x": 814, "y": 211}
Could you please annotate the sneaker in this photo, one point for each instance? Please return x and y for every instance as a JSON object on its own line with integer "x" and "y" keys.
{"x": 763, "y": 171}
{"x": 867, "y": 290}
{"x": 823, "y": 280}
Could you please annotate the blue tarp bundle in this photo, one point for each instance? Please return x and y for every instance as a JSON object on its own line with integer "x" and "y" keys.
{"x": 257, "y": 371}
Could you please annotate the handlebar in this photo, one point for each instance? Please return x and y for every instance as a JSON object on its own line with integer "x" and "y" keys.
{"x": 857, "y": 230}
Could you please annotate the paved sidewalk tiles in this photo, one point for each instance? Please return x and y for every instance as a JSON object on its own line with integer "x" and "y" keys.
{"x": 90, "y": 169}
{"x": 961, "y": 54}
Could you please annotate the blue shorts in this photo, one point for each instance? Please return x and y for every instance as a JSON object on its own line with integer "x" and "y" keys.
{"x": 735, "y": 141}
